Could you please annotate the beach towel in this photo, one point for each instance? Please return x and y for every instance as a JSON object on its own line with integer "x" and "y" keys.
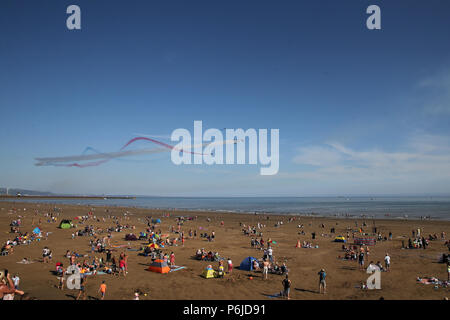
{"x": 176, "y": 268}
{"x": 91, "y": 273}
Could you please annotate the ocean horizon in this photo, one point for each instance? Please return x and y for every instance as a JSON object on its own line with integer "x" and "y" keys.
{"x": 400, "y": 207}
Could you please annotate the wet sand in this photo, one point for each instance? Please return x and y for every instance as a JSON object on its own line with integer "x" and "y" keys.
{"x": 303, "y": 263}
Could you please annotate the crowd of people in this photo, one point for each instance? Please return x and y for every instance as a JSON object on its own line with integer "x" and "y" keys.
{"x": 103, "y": 260}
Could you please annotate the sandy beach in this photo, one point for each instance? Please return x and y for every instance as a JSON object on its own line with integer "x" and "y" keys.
{"x": 343, "y": 276}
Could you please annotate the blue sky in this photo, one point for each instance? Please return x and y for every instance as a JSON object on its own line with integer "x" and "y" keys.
{"x": 359, "y": 111}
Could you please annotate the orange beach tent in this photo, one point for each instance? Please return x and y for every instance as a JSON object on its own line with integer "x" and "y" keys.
{"x": 159, "y": 266}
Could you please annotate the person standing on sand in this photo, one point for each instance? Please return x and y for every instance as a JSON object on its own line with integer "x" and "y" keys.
{"x": 286, "y": 287}
{"x": 122, "y": 267}
{"x": 387, "y": 262}
{"x": 172, "y": 259}
{"x": 102, "y": 290}
{"x": 322, "y": 283}
{"x": 266, "y": 266}
{"x": 270, "y": 254}
{"x": 82, "y": 292}
{"x": 16, "y": 281}
{"x": 230, "y": 265}
{"x": 60, "y": 277}
{"x": 361, "y": 260}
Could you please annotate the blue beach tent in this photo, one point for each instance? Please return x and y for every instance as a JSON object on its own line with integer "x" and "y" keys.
{"x": 247, "y": 264}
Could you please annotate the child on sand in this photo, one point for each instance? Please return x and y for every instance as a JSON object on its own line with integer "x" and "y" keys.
{"x": 230, "y": 265}
{"x": 322, "y": 282}
{"x": 172, "y": 259}
{"x": 122, "y": 267}
{"x": 102, "y": 290}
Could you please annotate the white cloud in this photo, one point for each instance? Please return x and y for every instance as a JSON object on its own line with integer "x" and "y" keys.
{"x": 427, "y": 159}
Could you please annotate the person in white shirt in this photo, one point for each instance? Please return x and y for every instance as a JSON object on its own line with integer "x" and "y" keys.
{"x": 269, "y": 253}
{"x": 16, "y": 281}
{"x": 387, "y": 262}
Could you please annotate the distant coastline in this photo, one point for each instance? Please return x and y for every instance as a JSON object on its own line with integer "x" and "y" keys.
{"x": 18, "y": 197}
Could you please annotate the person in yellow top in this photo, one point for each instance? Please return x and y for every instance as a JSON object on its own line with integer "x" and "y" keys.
{"x": 102, "y": 290}
{"x": 221, "y": 272}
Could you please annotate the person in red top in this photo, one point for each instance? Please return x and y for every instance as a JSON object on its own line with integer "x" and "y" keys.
{"x": 122, "y": 267}
{"x": 172, "y": 259}
{"x": 230, "y": 266}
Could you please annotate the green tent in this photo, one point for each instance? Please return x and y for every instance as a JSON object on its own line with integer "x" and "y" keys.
{"x": 65, "y": 224}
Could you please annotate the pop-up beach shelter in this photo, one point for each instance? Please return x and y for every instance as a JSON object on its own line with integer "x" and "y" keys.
{"x": 156, "y": 220}
{"x": 247, "y": 264}
{"x": 340, "y": 239}
{"x": 159, "y": 266}
{"x": 209, "y": 273}
{"x": 65, "y": 224}
{"x": 36, "y": 230}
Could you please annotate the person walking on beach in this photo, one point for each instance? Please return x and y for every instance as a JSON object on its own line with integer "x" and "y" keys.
{"x": 387, "y": 262}
{"x": 322, "y": 283}
{"x": 286, "y": 287}
{"x": 102, "y": 290}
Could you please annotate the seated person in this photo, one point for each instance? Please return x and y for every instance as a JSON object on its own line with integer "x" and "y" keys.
{"x": 255, "y": 265}
{"x": 283, "y": 268}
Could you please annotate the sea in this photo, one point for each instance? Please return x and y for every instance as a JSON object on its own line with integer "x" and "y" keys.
{"x": 436, "y": 207}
